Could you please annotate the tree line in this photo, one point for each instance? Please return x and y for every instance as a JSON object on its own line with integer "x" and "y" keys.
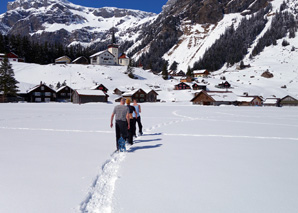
{"x": 39, "y": 53}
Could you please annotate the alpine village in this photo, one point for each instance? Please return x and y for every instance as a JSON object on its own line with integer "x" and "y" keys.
{"x": 205, "y": 76}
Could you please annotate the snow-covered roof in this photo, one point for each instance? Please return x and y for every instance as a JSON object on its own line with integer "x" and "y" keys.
{"x": 131, "y": 93}
{"x": 271, "y": 101}
{"x": 101, "y": 52}
{"x": 62, "y": 57}
{"x": 91, "y": 92}
{"x": 245, "y": 99}
{"x": 223, "y": 96}
{"x": 78, "y": 59}
{"x": 199, "y": 71}
{"x": 61, "y": 88}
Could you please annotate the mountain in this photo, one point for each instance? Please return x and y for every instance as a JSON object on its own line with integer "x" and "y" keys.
{"x": 67, "y": 23}
{"x": 192, "y": 33}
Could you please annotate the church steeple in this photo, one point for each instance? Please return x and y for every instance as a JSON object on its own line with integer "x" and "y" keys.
{"x": 113, "y": 37}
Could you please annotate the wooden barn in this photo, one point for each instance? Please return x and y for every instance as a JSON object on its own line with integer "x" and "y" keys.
{"x": 63, "y": 60}
{"x": 151, "y": 96}
{"x": 41, "y": 93}
{"x": 89, "y": 96}
{"x": 186, "y": 79}
{"x": 196, "y": 86}
{"x": 288, "y": 101}
{"x": 224, "y": 85}
{"x": 63, "y": 94}
{"x": 11, "y": 57}
{"x": 182, "y": 86}
{"x": 118, "y": 91}
{"x": 201, "y": 73}
{"x": 249, "y": 101}
{"x": 100, "y": 87}
{"x": 272, "y": 102}
{"x": 81, "y": 60}
{"x": 215, "y": 98}
{"x": 138, "y": 94}
{"x": 202, "y": 98}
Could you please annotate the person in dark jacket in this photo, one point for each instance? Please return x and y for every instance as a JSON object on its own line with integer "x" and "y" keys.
{"x": 122, "y": 121}
{"x": 132, "y": 122}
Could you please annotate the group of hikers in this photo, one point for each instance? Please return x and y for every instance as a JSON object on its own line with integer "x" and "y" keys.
{"x": 126, "y": 117}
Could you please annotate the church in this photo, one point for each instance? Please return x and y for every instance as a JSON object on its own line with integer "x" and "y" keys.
{"x": 110, "y": 56}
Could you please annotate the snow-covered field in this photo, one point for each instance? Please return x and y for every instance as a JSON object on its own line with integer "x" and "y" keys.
{"x": 60, "y": 158}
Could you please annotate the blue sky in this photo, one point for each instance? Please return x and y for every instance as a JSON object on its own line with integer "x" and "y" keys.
{"x": 150, "y": 6}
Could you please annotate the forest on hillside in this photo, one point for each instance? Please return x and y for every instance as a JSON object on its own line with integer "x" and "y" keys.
{"x": 233, "y": 45}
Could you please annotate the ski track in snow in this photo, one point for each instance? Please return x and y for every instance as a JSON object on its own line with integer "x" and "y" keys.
{"x": 100, "y": 197}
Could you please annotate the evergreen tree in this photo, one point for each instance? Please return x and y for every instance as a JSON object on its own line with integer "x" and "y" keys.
{"x": 8, "y": 84}
{"x": 165, "y": 74}
{"x": 189, "y": 72}
{"x": 130, "y": 71}
{"x": 174, "y": 66}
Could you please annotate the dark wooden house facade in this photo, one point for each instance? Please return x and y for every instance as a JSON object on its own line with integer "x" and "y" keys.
{"x": 196, "y": 86}
{"x": 63, "y": 94}
{"x": 89, "y": 96}
{"x": 182, "y": 86}
{"x": 224, "y": 85}
{"x": 41, "y": 93}
{"x": 288, "y": 101}
{"x": 151, "y": 96}
{"x": 202, "y": 98}
{"x": 100, "y": 87}
{"x": 81, "y": 60}
{"x": 139, "y": 95}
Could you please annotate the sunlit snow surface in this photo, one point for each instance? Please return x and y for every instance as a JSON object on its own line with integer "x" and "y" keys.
{"x": 60, "y": 158}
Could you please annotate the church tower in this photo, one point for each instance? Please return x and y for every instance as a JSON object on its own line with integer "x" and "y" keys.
{"x": 113, "y": 47}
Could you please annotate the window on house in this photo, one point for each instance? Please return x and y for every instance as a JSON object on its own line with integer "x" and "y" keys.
{"x": 47, "y": 99}
{"x": 37, "y": 99}
{"x": 63, "y": 94}
{"x": 36, "y": 93}
{"x": 42, "y": 88}
{"x": 142, "y": 95}
{"x": 48, "y": 94}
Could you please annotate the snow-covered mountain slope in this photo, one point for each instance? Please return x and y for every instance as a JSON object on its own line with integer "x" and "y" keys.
{"x": 60, "y": 20}
{"x": 186, "y": 37}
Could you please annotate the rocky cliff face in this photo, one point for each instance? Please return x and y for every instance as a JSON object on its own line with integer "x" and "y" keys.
{"x": 62, "y": 21}
{"x": 187, "y": 23}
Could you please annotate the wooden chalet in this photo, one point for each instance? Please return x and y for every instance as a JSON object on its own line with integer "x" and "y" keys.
{"x": 196, "y": 86}
{"x": 186, "y": 79}
{"x": 11, "y": 57}
{"x": 151, "y": 96}
{"x": 138, "y": 94}
{"x": 81, "y": 60}
{"x": 224, "y": 85}
{"x": 272, "y": 102}
{"x": 89, "y": 96}
{"x": 214, "y": 98}
{"x": 63, "y": 60}
{"x": 182, "y": 86}
{"x": 249, "y": 101}
{"x": 63, "y": 94}
{"x": 41, "y": 93}
{"x": 118, "y": 91}
{"x": 201, "y": 73}
{"x": 288, "y": 101}
{"x": 100, "y": 87}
